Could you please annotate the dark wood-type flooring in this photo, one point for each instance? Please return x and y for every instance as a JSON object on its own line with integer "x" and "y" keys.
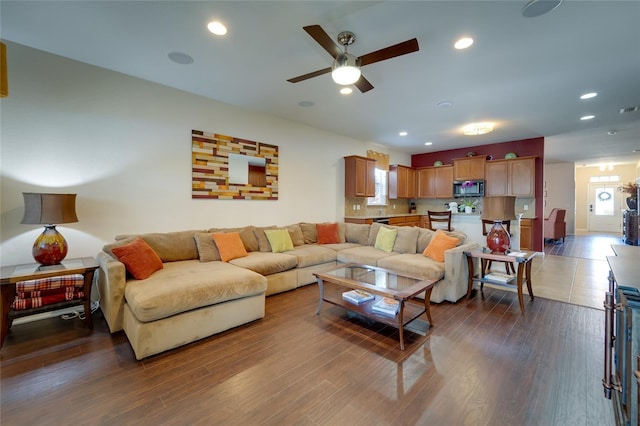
{"x": 483, "y": 363}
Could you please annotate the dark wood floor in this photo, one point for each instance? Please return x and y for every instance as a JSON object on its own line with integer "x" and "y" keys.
{"x": 483, "y": 363}
{"x": 589, "y": 246}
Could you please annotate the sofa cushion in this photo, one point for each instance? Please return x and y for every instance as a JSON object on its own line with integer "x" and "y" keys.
{"x": 414, "y": 264}
{"x": 357, "y": 233}
{"x": 424, "y": 237}
{"x": 279, "y": 240}
{"x": 327, "y": 233}
{"x": 385, "y": 239}
{"x": 373, "y": 233}
{"x": 263, "y": 241}
{"x": 207, "y": 250}
{"x": 309, "y": 232}
{"x": 365, "y": 255}
{"x": 247, "y": 236}
{"x": 407, "y": 239}
{"x": 439, "y": 243}
{"x": 311, "y": 254}
{"x": 170, "y": 246}
{"x": 187, "y": 285}
{"x": 230, "y": 246}
{"x": 267, "y": 263}
{"x": 139, "y": 258}
{"x": 297, "y": 238}
{"x": 341, "y": 246}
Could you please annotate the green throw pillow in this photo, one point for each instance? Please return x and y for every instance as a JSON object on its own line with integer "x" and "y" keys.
{"x": 386, "y": 239}
{"x": 279, "y": 239}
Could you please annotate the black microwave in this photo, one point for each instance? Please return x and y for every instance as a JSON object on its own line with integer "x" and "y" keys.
{"x": 468, "y": 188}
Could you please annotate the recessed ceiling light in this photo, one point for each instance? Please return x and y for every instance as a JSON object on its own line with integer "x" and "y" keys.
{"x": 217, "y": 28}
{"x": 587, "y": 117}
{"x": 180, "y": 58}
{"x": 463, "y": 43}
{"x": 612, "y": 132}
{"x": 305, "y": 103}
{"x": 474, "y": 129}
{"x": 346, "y": 90}
{"x": 428, "y": 143}
{"x": 403, "y": 133}
{"x": 445, "y": 104}
{"x": 589, "y": 95}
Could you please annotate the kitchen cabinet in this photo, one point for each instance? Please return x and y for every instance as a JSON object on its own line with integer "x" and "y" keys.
{"x": 526, "y": 234}
{"x": 413, "y": 220}
{"x": 435, "y": 182}
{"x": 402, "y": 182}
{"x": 515, "y": 177}
{"x": 468, "y": 168}
{"x": 359, "y": 176}
{"x": 630, "y": 227}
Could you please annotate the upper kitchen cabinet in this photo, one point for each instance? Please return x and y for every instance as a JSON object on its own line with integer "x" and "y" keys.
{"x": 359, "y": 176}
{"x": 515, "y": 177}
{"x": 435, "y": 182}
{"x": 402, "y": 182}
{"x": 468, "y": 168}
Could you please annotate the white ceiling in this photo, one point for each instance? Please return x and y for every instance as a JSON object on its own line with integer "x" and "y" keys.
{"x": 524, "y": 74}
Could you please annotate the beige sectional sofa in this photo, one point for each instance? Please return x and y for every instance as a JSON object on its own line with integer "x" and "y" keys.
{"x": 196, "y": 295}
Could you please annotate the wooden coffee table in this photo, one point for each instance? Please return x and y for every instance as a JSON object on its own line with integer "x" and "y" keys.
{"x": 382, "y": 283}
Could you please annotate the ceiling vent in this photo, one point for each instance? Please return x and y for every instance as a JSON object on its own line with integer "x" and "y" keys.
{"x": 629, "y": 109}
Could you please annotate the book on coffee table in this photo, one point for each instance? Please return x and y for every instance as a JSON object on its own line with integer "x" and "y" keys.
{"x": 499, "y": 278}
{"x": 357, "y": 296}
{"x": 386, "y": 306}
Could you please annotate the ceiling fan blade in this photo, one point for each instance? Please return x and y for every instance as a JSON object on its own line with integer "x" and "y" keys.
{"x": 399, "y": 49}
{"x": 310, "y": 75}
{"x": 363, "y": 84}
{"x": 323, "y": 39}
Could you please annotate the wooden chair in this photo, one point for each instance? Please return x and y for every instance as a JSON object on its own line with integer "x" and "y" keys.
{"x": 486, "y": 226}
{"x": 439, "y": 220}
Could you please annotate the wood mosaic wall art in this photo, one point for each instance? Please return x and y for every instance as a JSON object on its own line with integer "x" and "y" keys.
{"x": 210, "y": 167}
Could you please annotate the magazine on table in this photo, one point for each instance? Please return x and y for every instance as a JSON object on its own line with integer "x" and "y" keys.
{"x": 357, "y": 296}
{"x": 499, "y": 277}
{"x": 386, "y": 306}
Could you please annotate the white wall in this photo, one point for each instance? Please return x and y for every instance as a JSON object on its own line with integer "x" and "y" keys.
{"x": 124, "y": 146}
{"x": 560, "y": 191}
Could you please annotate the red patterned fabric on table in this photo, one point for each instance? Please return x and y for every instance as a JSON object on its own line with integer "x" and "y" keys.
{"x": 38, "y": 293}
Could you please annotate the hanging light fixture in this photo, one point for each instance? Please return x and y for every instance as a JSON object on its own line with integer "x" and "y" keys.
{"x": 346, "y": 67}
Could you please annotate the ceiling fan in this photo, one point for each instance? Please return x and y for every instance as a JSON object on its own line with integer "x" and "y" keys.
{"x": 346, "y": 67}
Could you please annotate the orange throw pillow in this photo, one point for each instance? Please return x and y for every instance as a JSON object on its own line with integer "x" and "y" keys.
{"x": 439, "y": 243}
{"x": 139, "y": 258}
{"x": 327, "y": 233}
{"x": 230, "y": 246}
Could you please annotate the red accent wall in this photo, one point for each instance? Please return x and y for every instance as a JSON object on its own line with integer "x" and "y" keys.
{"x": 523, "y": 148}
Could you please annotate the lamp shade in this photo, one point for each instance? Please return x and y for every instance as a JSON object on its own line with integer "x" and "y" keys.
{"x": 43, "y": 209}
{"x": 500, "y": 208}
{"x": 4, "y": 80}
{"x": 346, "y": 69}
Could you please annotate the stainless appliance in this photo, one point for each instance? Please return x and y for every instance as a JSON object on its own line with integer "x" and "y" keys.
{"x": 468, "y": 188}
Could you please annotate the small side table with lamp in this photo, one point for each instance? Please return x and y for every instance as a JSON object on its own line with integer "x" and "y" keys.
{"x": 52, "y": 283}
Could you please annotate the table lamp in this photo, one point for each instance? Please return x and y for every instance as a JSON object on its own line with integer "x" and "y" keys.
{"x": 50, "y": 248}
{"x": 498, "y": 209}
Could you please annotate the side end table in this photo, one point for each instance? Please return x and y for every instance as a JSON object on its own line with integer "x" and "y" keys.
{"x": 10, "y": 275}
{"x": 523, "y": 274}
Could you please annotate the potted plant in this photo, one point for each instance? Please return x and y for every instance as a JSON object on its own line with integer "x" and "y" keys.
{"x": 632, "y": 200}
{"x": 467, "y": 205}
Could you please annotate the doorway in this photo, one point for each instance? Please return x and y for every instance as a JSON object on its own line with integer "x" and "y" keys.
{"x": 605, "y": 207}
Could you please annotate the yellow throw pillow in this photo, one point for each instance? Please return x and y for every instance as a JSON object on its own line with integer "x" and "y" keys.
{"x": 385, "y": 239}
{"x": 279, "y": 239}
{"x": 230, "y": 246}
{"x": 438, "y": 245}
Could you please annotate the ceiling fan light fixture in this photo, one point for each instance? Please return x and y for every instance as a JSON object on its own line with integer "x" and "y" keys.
{"x": 346, "y": 69}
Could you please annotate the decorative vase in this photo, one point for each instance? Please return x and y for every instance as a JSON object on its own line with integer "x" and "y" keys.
{"x": 468, "y": 209}
{"x": 50, "y": 248}
{"x": 498, "y": 239}
{"x": 632, "y": 203}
